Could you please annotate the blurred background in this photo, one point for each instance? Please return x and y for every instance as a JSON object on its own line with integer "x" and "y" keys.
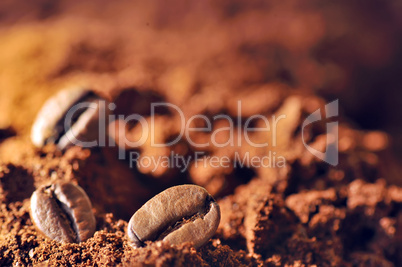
{"x": 351, "y": 50}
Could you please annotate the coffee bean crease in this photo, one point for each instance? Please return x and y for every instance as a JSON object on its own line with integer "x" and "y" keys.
{"x": 63, "y": 212}
{"x": 185, "y": 213}
{"x": 49, "y": 125}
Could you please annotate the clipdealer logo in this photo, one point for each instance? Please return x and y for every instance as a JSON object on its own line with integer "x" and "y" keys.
{"x": 330, "y": 155}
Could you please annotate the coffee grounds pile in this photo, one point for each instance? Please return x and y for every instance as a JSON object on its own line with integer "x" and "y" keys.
{"x": 204, "y": 57}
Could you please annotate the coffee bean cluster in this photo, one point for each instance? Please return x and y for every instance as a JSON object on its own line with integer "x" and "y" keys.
{"x": 63, "y": 212}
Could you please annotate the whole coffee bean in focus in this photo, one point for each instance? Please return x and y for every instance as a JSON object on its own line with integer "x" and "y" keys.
{"x": 63, "y": 212}
{"x": 185, "y": 213}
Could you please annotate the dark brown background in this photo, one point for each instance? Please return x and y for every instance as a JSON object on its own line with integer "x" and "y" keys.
{"x": 349, "y": 50}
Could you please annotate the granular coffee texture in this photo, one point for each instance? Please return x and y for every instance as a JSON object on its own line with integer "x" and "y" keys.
{"x": 277, "y": 58}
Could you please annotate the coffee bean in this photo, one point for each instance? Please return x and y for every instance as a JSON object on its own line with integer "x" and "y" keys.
{"x": 63, "y": 212}
{"x": 79, "y": 106}
{"x": 185, "y": 213}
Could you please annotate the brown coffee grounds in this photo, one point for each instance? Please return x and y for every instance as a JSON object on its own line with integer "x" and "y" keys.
{"x": 307, "y": 213}
{"x": 204, "y": 57}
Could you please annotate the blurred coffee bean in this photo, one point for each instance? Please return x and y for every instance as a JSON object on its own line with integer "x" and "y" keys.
{"x": 70, "y": 117}
{"x": 185, "y": 213}
{"x": 63, "y": 212}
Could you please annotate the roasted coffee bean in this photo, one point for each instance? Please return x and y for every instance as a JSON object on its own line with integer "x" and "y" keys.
{"x": 185, "y": 213}
{"x": 69, "y": 116}
{"x": 63, "y": 212}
